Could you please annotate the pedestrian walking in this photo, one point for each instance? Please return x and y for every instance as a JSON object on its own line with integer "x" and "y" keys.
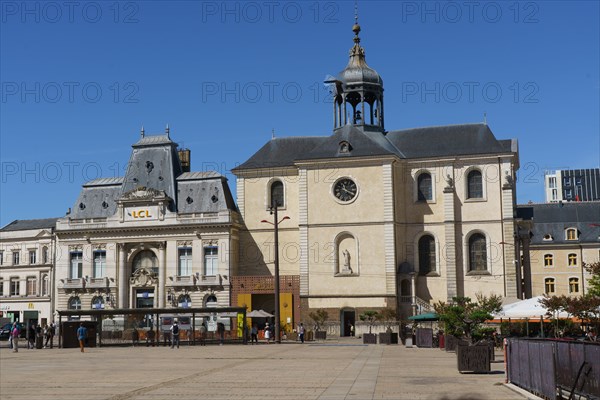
{"x": 175, "y": 334}
{"x": 202, "y": 335}
{"x": 254, "y": 334}
{"x": 31, "y": 337}
{"x": 50, "y": 337}
{"x": 14, "y": 334}
{"x": 82, "y": 336}
{"x": 268, "y": 333}
{"x": 221, "y": 331}
{"x": 301, "y": 332}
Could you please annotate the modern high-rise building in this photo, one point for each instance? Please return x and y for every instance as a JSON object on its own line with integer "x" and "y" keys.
{"x": 572, "y": 185}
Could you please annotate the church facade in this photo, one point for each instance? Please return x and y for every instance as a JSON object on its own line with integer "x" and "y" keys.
{"x": 381, "y": 218}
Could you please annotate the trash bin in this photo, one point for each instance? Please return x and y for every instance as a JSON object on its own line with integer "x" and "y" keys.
{"x": 39, "y": 342}
{"x": 409, "y": 342}
{"x": 442, "y": 341}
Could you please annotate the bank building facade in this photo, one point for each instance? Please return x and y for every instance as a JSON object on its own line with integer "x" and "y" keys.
{"x": 382, "y": 218}
{"x": 161, "y": 236}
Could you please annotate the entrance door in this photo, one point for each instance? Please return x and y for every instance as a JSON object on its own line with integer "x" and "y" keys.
{"x": 144, "y": 298}
{"x": 348, "y": 322}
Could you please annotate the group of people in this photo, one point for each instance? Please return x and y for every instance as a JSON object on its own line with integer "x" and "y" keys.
{"x": 269, "y": 333}
{"x": 36, "y": 334}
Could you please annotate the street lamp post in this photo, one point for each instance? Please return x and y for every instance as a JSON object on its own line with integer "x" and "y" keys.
{"x": 275, "y": 224}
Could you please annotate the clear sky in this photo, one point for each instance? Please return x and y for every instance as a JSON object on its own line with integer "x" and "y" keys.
{"x": 78, "y": 79}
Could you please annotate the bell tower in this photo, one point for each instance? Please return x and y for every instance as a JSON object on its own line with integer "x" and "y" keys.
{"x": 357, "y": 91}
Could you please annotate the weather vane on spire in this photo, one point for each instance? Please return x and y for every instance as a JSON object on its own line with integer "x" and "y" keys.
{"x": 356, "y": 11}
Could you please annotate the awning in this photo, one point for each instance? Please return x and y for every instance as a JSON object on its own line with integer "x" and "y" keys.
{"x": 431, "y": 316}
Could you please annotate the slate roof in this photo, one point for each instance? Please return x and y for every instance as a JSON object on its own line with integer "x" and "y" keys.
{"x": 428, "y": 142}
{"x": 553, "y": 218}
{"x": 28, "y": 224}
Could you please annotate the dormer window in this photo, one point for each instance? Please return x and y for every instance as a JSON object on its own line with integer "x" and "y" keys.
{"x": 571, "y": 234}
{"x": 345, "y": 147}
{"x": 548, "y": 237}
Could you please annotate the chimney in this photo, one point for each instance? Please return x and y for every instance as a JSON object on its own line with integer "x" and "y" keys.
{"x": 184, "y": 158}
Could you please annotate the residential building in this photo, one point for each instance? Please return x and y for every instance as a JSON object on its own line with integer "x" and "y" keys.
{"x": 27, "y": 251}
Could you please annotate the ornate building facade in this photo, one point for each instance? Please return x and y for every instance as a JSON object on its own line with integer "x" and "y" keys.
{"x": 160, "y": 236}
{"x": 381, "y": 218}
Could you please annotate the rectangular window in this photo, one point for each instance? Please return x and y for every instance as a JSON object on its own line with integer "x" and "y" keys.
{"x": 76, "y": 270}
{"x": 548, "y": 260}
{"x": 14, "y": 287}
{"x": 573, "y": 285}
{"x": 16, "y": 258}
{"x": 185, "y": 261}
{"x": 31, "y": 286}
{"x": 45, "y": 285}
{"x": 552, "y": 182}
{"x": 549, "y": 285}
{"x": 568, "y": 194}
{"x": 99, "y": 263}
{"x": 211, "y": 259}
{"x": 572, "y": 260}
{"x": 32, "y": 257}
{"x": 1, "y": 287}
{"x": 566, "y": 181}
{"x": 554, "y": 194}
{"x": 1, "y": 257}
{"x": 45, "y": 255}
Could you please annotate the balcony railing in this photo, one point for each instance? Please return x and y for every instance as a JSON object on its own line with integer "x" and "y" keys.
{"x": 210, "y": 280}
{"x": 74, "y": 283}
{"x": 97, "y": 282}
{"x": 183, "y": 280}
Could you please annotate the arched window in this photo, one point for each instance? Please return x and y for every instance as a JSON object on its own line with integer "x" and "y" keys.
{"x": 548, "y": 260}
{"x": 573, "y": 285}
{"x": 74, "y": 303}
{"x": 98, "y": 303}
{"x": 549, "y": 285}
{"x": 572, "y": 259}
{"x": 185, "y": 301}
{"x": 45, "y": 285}
{"x": 425, "y": 191}
{"x": 277, "y": 194}
{"x": 44, "y": 255}
{"x": 477, "y": 253}
{"x": 145, "y": 259}
{"x": 571, "y": 234}
{"x": 474, "y": 185}
{"x": 426, "y": 254}
{"x": 211, "y": 301}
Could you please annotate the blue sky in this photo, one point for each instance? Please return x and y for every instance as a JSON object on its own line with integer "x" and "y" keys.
{"x": 78, "y": 79}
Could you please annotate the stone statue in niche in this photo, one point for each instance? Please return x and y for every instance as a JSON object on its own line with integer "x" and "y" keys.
{"x": 449, "y": 181}
{"x": 346, "y": 268}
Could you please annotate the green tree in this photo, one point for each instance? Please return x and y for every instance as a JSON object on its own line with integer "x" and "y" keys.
{"x": 593, "y": 285}
{"x": 319, "y": 316}
{"x": 370, "y": 317}
{"x": 463, "y": 317}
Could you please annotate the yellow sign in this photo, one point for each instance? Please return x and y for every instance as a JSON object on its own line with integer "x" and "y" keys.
{"x": 141, "y": 214}
{"x": 240, "y": 325}
{"x": 30, "y": 306}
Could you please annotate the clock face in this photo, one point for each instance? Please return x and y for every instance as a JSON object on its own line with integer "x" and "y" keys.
{"x": 345, "y": 189}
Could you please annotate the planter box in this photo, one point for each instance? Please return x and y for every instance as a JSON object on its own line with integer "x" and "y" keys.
{"x": 452, "y": 342}
{"x": 388, "y": 338}
{"x": 320, "y": 335}
{"x": 370, "y": 338}
{"x": 473, "y": 359}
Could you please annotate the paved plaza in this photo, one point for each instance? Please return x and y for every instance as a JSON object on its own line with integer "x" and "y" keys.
{"x": 330, "y": 370}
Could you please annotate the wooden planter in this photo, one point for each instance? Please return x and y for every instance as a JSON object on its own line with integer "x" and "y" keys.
{"x": 473, "y": 359}
{"x": 320, "y": 335}
{"x": 452, "y": 342}
{"x": 370, "y": 338}
{"x": 388, "y": 338}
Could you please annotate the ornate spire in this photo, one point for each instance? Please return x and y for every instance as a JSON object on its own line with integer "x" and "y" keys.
{"x": 357, "y": 52}
{"x": 142, "y": 132}
{"x": 167, "y": 131}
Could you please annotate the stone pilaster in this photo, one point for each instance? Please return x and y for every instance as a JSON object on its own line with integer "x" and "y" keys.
{"x": 450, "y": 240}
{"x": 162, "y": 275}
{"x": 123, "y": 282}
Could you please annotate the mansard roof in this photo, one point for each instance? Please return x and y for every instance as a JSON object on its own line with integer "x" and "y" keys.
{"x": 416, "y": 143}
{"x": 554, "y": 218}
{"x": 29, "y": 224}
{"x": 154, "y": 164}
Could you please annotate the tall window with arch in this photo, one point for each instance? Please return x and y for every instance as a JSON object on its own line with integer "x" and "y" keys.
{"x": 477, "y": 253}
{"x": 424, "y": 187}
{"x": 98, "y": 303}
{"x": 184, "y": 301}
{"x": 574, "y": 285}
{"x": 45, "y": 255}
{"x": 74, "y": 303}
{"x": 549, "y": 285}
{"x": 45, "y": 285}
{"x": 427, "y": 259}
{"x": 474, "y": 185}
{"x": 276, "y": 194}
